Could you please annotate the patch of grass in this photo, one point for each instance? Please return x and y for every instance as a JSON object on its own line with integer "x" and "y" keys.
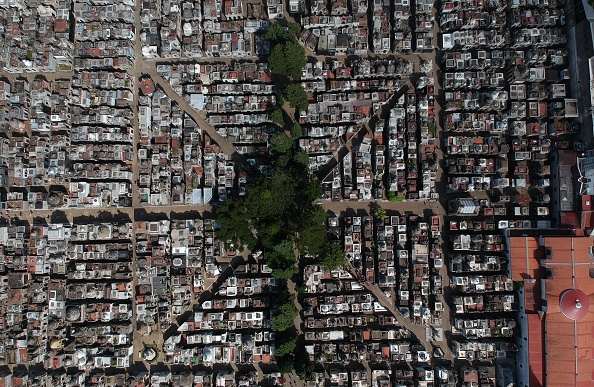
{"x": 393, "y": 197}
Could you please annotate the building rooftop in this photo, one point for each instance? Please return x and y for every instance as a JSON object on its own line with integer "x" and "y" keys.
{"x": 564, "y": 267}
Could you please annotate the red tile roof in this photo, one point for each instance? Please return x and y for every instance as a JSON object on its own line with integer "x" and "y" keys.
{"x": 569, "y": 343}
{"x": 60, "y": 25}
{"x": 525, "y": 253}
{"x": 525, "y": 266}
{"x": 586, "y": 202}
{"x": 587, "y": 220}
{"x": 147, "y": 86}
{"x": 569, "y": 220}
{"x": 568, "y": 157}
{"x": 535, "y": 346}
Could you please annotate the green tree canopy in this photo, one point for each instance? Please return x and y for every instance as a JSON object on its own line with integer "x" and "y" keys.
{"x": 303, "y": 366}
{"x": 297, "y": 361}
{"x": 233, "y": 218}
{"x": 280, "y": 142}
{"x": 380, "y": 214}
{"x": 286, "y": 364}
{"x": 277, "y": 208}
{"x": 331, "y": 256}
{"x": 312, "y": 190}
{"x": 296, "y": 130}
{"x": 296, "y": 95}
{"x": 394, "y": 197}
{"x": 276, "y": 34}
{"x": 282, "y": 260}
{"x": 276, "y": 115}
{"x": 287, "y": 59}
{"x": 285, "y": 317}
{"x": 286, "y": 273}
{"x": 294, "y": 29}
{"x": 313, "y": 233}
{"x": 278, "y": 60}
{"x": 280, "y": 101}
{"x": 302, "y": 157}
{"x": 284, "y": 344}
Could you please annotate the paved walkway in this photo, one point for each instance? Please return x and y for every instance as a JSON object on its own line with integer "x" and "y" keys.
{"x": 416, "y": 207}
